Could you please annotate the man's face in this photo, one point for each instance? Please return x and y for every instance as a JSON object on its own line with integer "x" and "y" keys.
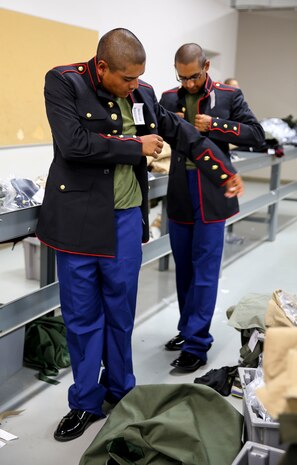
{"x": 191, "y": 76}
{"x": 120, "y": 83}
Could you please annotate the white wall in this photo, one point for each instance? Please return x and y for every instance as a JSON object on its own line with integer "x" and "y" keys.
{"x": 266, "y": 64}
{"x": 162, "y": 26}
{"x": 266, "y": 67}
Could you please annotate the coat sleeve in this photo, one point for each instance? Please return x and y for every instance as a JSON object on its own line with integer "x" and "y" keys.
{"x": 188, "y": 142}
{"x": 75, "y": 142}
{"x": 242, "y": 128}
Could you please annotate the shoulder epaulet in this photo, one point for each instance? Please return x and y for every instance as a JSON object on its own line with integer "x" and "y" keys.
{"x": 78, "y": 68}
{"x": 221, "y": 86}
{"x": 145, "y": 84}
{"x": 171, "y": 91}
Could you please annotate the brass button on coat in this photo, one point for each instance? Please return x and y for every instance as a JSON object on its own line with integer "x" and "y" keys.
{"x": 184, "y": 109}
{"x": 114, "y": 116}
{"x": 235, "y": 128}
{"x": 225, "y": 126}
{"x": 89, "y": 115}
{"x": 114, "y": 131}
{"x": 62, "y": 187}
{"x": 152, "y": 125}
{"x": 214, "y": 167}
{"x": 110, "y": 104}
{"x": 80, "y": 68}
{"x": 215, "y": 124}
{"x": 206, "y": 158}
{"x": 224, "y": 176}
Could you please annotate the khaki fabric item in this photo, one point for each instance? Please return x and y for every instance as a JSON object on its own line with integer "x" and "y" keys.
{"x": 162, "y": 163}
{"x": 249, "y": 312}
{"x": 168, "y": 424}
{"x": 279, "y": 393}
{"x": 9, "y": 413}
{"x": 275, "y": 315}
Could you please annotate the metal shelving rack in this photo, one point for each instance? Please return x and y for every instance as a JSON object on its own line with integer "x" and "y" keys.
{"x": 15, "y": 224}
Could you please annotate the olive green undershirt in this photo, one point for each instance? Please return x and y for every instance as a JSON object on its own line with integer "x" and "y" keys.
{"x": 127, "y": 192}
{"x": 191, "y": 104}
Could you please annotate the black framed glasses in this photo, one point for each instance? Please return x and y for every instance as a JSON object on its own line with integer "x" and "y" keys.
{"x": 183, "y": 79}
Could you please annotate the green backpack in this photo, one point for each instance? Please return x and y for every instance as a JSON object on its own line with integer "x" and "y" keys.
{"x": 46, "y": 347}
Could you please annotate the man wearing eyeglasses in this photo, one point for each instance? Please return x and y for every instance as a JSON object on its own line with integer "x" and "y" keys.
{"x": 196, "y": 210}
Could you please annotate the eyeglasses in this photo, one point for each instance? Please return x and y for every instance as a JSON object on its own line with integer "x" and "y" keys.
{"x": 195, "y": 77}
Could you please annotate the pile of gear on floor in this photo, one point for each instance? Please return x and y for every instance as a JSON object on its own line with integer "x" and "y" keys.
{"x": 191, "y": 424}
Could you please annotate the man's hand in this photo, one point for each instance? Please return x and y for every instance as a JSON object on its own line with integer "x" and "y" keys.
{"x": 202, "y": 122}
{"x": 152, "y": 145}
{"x": 180, "y": 114}
{"x": 234, "y": 186}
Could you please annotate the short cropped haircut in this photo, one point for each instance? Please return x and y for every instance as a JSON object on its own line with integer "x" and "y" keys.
{"x": 188, "y": 53}
{"x": 120, "y": 48}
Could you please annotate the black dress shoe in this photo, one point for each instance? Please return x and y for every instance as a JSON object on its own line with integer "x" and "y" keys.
{"x": 74, "y": 424}
{"x": 175, "y": 343}
{"x": 188, "y": 362}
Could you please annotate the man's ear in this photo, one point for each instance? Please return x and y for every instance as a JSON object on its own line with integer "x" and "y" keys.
{"x": 206, "y": 66}
{"x": 101, "y": 68}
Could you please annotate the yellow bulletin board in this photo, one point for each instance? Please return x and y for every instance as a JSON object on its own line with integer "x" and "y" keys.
{"x": 30, "y": 46}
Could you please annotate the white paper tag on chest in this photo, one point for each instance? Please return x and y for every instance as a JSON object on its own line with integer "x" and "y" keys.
{"x": 137, "y": 113}
{"x": 212, "y": 99}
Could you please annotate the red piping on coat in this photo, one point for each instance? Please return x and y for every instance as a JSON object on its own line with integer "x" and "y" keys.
{"x": 172, "y": 91}
{"x": 201, "y": 203}
{"x": 205, "y": 96}
{"x": 230, "y": 88}
{"x": 145, "y": 85}
{"x": 98, "y": 78}
{"x": 77, "y": 253}
{"x": 91, "y": 78}
{"x": 227, "y": 130}
{"x": 72, "y": 70}
{"x": 215, "y": 159}
{"x": 122, "y": 139}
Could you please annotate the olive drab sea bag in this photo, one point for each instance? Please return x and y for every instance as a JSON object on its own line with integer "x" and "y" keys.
{"x": 46, "y": 347}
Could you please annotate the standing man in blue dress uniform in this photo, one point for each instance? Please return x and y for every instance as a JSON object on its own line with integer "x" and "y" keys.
{"x": 105, "y": 121}
{"x": 195, "y": 209}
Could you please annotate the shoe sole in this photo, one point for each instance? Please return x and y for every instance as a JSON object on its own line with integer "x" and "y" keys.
{"x": 172, "y": 349}
{"x": 188, "y": 369}
{"x": 65, "y": 439}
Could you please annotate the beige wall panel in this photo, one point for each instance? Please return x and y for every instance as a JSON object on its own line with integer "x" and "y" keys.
{"x": 30, "y": 46}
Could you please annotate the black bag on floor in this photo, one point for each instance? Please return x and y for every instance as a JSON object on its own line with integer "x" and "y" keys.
{"x": 220, "y": 379}
{"x": 46, "y": 347}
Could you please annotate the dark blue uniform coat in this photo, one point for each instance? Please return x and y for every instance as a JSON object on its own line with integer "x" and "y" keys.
{"x": 232, "y": 122}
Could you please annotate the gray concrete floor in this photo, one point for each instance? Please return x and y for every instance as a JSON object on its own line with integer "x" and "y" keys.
{"x": 269, "y": 266}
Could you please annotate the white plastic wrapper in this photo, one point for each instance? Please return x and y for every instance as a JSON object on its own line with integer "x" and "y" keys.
{"x": 278, "y": 129}
{"x": 16, "y": 193}
{"x": 289, "y": 305}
